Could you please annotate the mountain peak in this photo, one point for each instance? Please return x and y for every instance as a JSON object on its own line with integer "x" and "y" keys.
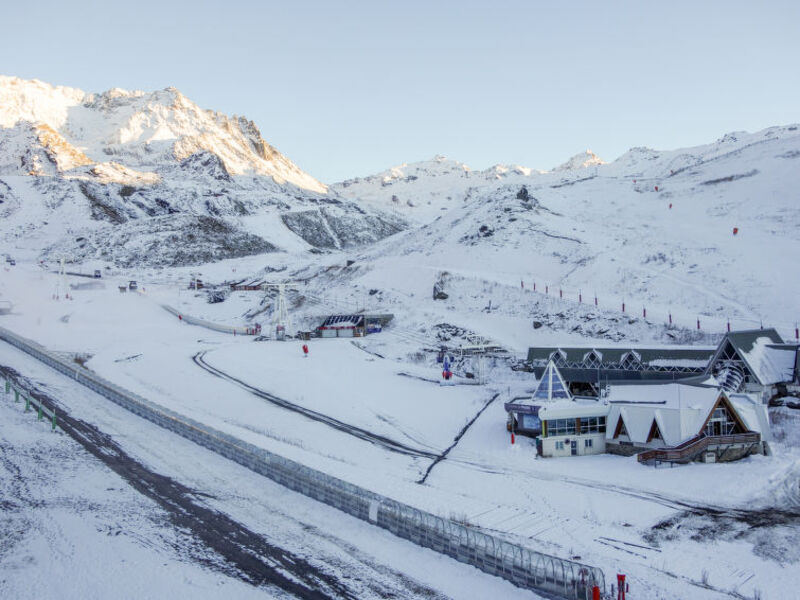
{"x": 581, "y": 161}
{"x": 145, "y": 131}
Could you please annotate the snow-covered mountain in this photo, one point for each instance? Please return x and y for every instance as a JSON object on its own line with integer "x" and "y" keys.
{"x": 652, "y": 228}
{"x": 86, "y": 161}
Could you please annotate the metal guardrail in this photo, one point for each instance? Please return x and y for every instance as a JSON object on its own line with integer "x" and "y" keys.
{"x": 522, "y": 566}
{"x": 41, "y": 410}
{"x": 696, "y": 445}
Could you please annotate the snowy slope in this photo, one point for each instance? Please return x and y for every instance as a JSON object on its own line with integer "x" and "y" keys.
{"x": 652, "y": 228}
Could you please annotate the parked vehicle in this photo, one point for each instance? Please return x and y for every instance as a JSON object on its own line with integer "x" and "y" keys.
{"x": 97, "y": 274}
{"x": 132, "y": 285}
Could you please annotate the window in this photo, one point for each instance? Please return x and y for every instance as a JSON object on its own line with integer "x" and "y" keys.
{"x": 558, "y": 358}
{"x": 559, "y": 445}
{"x": 531, "y": 422}
{"x": 592, "y": 360}
{"x": 631, "y": 362}
{"x": 593, "y": 425}
{"x": 587, "y": 443}
{"x": 655, "y": 433}
{"x": 621, "y": 429}
{"x": 721, "y": 422}
{"x": 560, "y": 427}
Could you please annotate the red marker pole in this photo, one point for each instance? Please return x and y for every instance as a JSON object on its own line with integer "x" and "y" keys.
{"x": 698, "y": 322}
{"x": 670, "y": 318}
{"x": 595, "y": 299}
{"x": 534, "y": 286}
{"x": 580, "y": 298}
{"x": 560, "y": 293}
{"x": 644, "y": 313}
{"x": 621, "y": 587}
{"x": 623, "y": 306}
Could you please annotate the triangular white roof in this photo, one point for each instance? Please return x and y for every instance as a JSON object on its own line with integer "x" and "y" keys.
{"x": 551, "y": 385}
{"x": 679, "y": 410}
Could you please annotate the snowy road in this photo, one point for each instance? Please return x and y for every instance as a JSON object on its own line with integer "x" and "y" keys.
{"x": 187, "y": 516}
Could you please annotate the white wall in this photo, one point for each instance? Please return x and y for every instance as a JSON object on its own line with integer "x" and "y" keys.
{"x": 598, "y": 444}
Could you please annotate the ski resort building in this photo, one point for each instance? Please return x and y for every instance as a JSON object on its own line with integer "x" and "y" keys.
{"x": 756, "y": 361}
{"x": 248, "y": 285}
{"x": 355, "y": 325}
{"x": 676, "y": 422}
{"x": 342, "y": 326}
{"x": 658, "y": 421}
{"x": 753, "y": 361}
{"x": 562, "y": 424}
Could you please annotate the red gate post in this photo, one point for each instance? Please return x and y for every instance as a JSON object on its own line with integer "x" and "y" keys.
{"x": 595, "y": 593}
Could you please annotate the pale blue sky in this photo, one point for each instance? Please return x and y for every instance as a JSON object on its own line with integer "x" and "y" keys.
{"x": 350, "y": 88}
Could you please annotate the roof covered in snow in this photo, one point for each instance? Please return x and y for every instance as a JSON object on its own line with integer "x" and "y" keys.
{"x": 654, "y": 356}
{"x": 343, "y": 321}
{"x": 763, "y": 351}
{"x": 573, "y": 409}
{"x": 680, "y": 411}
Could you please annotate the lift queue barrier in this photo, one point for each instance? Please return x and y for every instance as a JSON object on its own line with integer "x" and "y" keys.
{"x": 522, "y": 566}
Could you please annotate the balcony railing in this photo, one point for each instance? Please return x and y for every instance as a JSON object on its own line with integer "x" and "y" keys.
{"x": 696, "y": 445}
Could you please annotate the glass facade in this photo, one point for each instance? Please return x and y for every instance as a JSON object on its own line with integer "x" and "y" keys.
{"x": 593, "y": 425}
{"x": 557, "y": 427}
{"x": 531, "y": 422}
{"x": 561, "y": 427}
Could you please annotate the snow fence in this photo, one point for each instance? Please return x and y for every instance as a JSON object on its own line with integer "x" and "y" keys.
{"x": 522, "y": 566}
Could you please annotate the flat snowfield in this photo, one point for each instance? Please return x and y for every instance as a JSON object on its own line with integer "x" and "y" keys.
{"x": 373, "y": 414}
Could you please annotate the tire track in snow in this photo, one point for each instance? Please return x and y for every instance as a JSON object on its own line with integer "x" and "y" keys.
{"x": 368, "y": 436}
